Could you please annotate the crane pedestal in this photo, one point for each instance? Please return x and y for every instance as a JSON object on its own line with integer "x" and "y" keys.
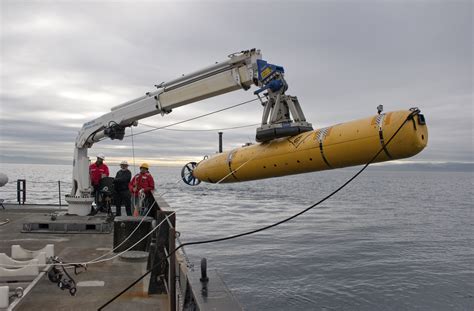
{"x": 80, "y": 206}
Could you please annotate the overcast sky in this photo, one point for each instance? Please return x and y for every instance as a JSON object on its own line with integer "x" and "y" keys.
{"x": 64, "y": 63}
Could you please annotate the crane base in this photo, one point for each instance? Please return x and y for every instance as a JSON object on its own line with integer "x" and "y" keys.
{"x": 80, "y": 206}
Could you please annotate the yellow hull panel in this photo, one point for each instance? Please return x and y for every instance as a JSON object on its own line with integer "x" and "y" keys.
{"x": 346, "y": 144}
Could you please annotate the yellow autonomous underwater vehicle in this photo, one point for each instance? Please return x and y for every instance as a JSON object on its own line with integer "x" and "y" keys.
{"x": 341, "y": 145}
{"x": 287, "y": 142}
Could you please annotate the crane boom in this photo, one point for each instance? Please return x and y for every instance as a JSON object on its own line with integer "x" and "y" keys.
{"x": 240, "y": 71}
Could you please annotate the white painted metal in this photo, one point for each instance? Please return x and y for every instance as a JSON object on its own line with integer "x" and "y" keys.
{"x": 19, "y": 274}
{"x": 282, "y": 108}
{"x": 4, "y": 297}
{"x": 90, "y": 284}
{"x": 19, "y": 252}
{"x": 237, "y": 72}
{"x": 80, "y": 206}
{"x": 10, "y": 263}
{"x": 26, "y": 290}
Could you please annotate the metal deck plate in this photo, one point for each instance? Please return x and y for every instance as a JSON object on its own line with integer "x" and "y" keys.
{"x": 134, "y": 256}
{"x": 67, "y": 224}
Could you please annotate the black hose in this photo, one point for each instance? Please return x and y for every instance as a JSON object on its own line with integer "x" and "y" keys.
{"x": 409, "y": 117}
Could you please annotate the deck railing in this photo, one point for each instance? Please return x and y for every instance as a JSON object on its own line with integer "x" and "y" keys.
{"x": 27, "y": 191}
{"x": 175, "y": 276}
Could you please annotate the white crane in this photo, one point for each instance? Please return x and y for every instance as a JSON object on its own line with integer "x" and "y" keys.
{"x": 282, "y": 114}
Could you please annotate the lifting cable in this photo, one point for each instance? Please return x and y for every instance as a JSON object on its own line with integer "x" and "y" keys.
{"x": 194, "y": 118}
{"x": 133, "y": 153}
{"x": 99, "y": 259}
{"x": 203, "y": 130}
{"x": 165, "y": 127}
{"x": 409, "y": 117}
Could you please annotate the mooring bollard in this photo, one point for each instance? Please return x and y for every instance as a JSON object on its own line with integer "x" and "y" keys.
{"x": 204, "y": 278}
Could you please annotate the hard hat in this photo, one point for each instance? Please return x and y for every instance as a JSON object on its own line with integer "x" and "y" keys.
{"x": 145, "y": 165}
{"x": 101, "y": 156}
{"x": 124, "y": 163}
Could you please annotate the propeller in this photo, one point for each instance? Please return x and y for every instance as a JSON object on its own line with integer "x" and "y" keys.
{"x": 187, "y": 174}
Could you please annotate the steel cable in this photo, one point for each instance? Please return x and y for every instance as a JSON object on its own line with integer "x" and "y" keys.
{"x": 194, "y": 118}
{"x": 99, "y": 259}
{"x": 202, "y": 130}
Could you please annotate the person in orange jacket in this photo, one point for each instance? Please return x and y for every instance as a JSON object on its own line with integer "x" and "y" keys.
{"x": 142, "y": 182}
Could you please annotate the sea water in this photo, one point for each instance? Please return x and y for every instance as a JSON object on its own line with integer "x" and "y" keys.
{"x": 391, "y": 240}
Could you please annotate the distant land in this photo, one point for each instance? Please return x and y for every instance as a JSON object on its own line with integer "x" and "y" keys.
{"x": 387, "y": 166}
{"x": 30, "y": 160}
{"x": 427, "y": 166}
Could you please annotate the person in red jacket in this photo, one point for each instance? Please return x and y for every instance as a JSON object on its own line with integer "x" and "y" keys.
{"x": 142, "y": 182}
{"x": 97, "y": 171}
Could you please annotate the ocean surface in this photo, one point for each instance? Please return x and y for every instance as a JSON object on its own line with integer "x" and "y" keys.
{"x": 391, "y": 240}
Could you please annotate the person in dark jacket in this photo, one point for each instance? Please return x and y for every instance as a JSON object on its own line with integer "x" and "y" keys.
{"x": 122, "y": 193}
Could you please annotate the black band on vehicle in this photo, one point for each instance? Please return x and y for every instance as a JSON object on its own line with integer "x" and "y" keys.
{"x": 322, "y": 134}
{"x": 323, "y": 156}
{"x": 379, "y": 120}
{"x": 229, "y": 163}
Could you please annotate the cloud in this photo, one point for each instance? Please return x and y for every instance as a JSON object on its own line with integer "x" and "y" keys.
{"x": 64, "y": 63}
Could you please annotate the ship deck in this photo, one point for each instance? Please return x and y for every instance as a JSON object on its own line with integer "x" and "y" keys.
{"x": 97, "y": 285}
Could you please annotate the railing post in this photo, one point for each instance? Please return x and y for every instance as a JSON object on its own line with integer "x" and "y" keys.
{"x": 21, "y": 191}
{"x": 18, "y": 191}
{"x": 24, "y": 191}
{"x": 160, "y": 264}
{"x": 172, "y": 270}
{"x": 59, "y": 190}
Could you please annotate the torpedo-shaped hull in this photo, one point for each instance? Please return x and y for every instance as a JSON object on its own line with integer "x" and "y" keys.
{"x": 341, "y": 145}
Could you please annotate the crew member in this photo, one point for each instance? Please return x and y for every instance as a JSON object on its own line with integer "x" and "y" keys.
{"x": 97, "y": 171}
{"x": 122, "y": 194}
{"x": 142, "y": 182}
